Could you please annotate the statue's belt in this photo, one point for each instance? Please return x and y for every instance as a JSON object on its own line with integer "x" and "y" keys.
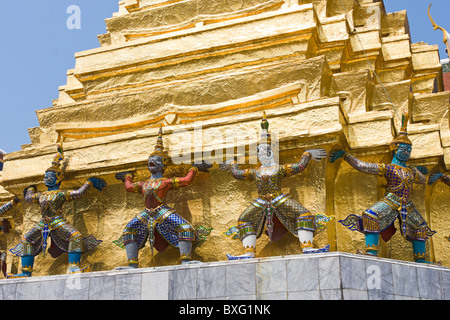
{"x": 52, "y": 222}
{"x": 273, "y": 200}
{"x": 156, "y": 215}
{"x": 396, "y": 202}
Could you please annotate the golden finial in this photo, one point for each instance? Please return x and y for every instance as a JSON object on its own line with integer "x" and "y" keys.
{"x": 435, "y": 26}
{"x": 159, "y": 148}
{"x": 265, "y": 135}
{"x": 56, "y": 163}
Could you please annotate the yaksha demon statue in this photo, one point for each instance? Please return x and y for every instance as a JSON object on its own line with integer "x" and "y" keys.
{"x": 64, "y": 237}
{"x": 379, "y": 219}
{"x": 159, "y": 223}
{"x": 276, "y": 211}
{"x": 5, "y": 226}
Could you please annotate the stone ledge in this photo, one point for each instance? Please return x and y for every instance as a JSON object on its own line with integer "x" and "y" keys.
{"x": 327, "y": 276}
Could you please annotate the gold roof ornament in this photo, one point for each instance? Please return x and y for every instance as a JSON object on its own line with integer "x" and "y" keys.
{"x": 435, "y": 26}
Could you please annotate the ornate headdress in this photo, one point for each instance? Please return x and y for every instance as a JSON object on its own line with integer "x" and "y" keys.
{"x": 159, "y": 149}
{"x": 265, "y": 135}
{"x": 402, "y": 137}
{"x": 56, "y": 164}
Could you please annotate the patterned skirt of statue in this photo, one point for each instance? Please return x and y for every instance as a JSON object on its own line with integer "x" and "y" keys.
{"x": 170, "y": 228}
{"x": 381, "y": 216}
{"x": 63, "y": 236}
{"x": 279, "y": 215}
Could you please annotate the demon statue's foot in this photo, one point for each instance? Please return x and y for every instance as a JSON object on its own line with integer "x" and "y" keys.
{"x": 125, "y": 268}
{"x": 437, "y": 263}
{"x": 74, "y": 268}
{"x": 317, "y": 250}
{"x": 365, "y": 253}
{"x": 242, "y": 257}
{"x": 184, "y": 262}
{"x": 132, "y": 264}
{"x": 27, "y": 268}
{"x": 20, "y": 275}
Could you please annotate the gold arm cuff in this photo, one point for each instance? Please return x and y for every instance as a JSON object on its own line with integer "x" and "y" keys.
{"x": 381, "y": 169}
{"x": 175, "y": 183}
{"x": 129, "y": 174}
{"x": 194, "y": 168}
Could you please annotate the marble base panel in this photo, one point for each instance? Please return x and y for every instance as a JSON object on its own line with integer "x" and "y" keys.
{"x": 324, "y": 276}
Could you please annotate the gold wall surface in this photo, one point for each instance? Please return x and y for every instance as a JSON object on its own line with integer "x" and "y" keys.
{"x": 218, "y": 64}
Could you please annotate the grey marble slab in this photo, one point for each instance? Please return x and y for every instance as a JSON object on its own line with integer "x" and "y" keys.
{"x": 52, "y": 290}
{"x": 102, "y": 288}
{"x": 379, "y": 280}
{"x": 76, "y": 287}
{"x": 271, "y": 277}
{"x": 429, "y": 284}
{"x": 240, "y": 279}
{"x": 155, "y": 286}
{"x": 183, "y": 284}
{"x": 28, "y": 290}
{"x": 405, "y": 280}
{"x": 353, "y": 273}
{"x": 211, "y": 283}
{"x": 302, "y": 275}
{"x": 329, "y": 273}
{"x": 128, "y": 287}
{"x": 304, "y": 295}
{"x": 8, "y": 291}
{"x": 445, "y": 281}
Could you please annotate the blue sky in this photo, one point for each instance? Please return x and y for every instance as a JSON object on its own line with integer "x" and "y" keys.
{"x": 38, "y": 48}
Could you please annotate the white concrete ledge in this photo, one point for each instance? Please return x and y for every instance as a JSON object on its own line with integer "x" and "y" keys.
{"x": 325, "y": 276}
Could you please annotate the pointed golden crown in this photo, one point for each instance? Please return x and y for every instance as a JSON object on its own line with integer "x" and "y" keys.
{"x": 265, "y": 135}
{"x": 56, "y": 163}
{"x": 402, "y": 137}
{"x": 159, "y": 148}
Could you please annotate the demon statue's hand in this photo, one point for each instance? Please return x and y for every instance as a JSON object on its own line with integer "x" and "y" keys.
{"x": 335, "y": 155}
{"x": 434, "y": 177}
{"x": 121, "y": 175}
{"x": 317, "y": 154}
{"x": 97, "y": 183}
{"x": 204, "y": 166}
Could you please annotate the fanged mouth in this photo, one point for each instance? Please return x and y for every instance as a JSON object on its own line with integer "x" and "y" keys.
{"x": 152, "y": 164}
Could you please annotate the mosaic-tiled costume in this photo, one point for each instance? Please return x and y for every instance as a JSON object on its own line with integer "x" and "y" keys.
{"x": 396, "y": 204}
{"x": 159, "y": 223}
{"x": 290, "y": 213}
{"x": 379, "y": 218}
{"x": 276, "y": 211}
{"x": 63, "y": 236}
